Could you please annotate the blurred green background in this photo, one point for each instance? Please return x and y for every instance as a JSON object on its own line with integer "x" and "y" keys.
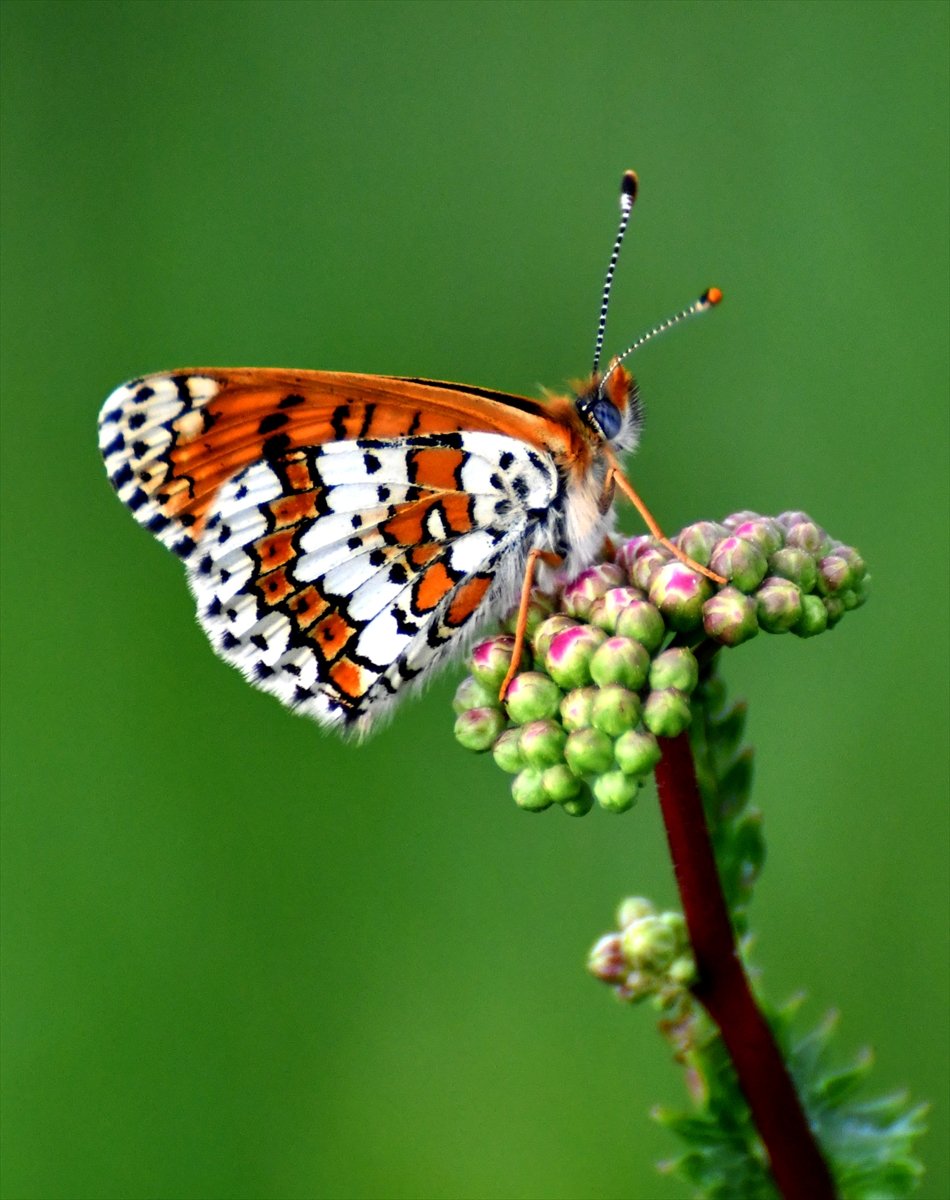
{"x": 243, "y": 959}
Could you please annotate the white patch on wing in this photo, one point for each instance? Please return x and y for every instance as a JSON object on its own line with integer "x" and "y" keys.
{"x": 241, "y": 614}
{"x": 353, "y": 497}
{"x": 351, "y": 576}
{"x": 381, "y": 640}
{"x": 350, "y": 462}
{"x": 374, "y": 595}
{"x": 250, "y": 488}
{"x": 434, "y": 526}
{"x": 471, "y": 551}
{"x": 312, "y": 566}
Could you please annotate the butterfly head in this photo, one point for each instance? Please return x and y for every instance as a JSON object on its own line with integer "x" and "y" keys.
{"x": 609, "y": 405}
{"x": 610, "y": 408}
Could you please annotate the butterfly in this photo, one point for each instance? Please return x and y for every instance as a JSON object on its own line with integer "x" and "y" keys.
{"x": 343, "y": 534}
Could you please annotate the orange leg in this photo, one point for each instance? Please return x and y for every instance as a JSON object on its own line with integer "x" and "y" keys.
{"x": 616, "y": 478}
{"x": 552, "y": 560}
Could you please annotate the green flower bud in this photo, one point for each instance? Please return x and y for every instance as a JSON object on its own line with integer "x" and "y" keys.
{"x": 793, "y": 517}
{"x": 675, "y": 922}
{"x": 674, "y": 668}
{"x": 606, "y": 959}
{"x": 862, "y": 589}
{"x": 796, "y": 565}
{"x": 615, "y": 791}
{"x": 834, "y": 575}
{"x": 648, "y": 561}
{"x": 637, "y": 752}
{"x": 627, "y": 551}
{"x": 779, "y": 605}
{"x": 834, "y": 607}
{"x": 620, "y": 660}
{"x": 527, "y": 787}
{"x": 763, "y": 532}
{"x": 549, "y": 628}
{"x": 491, "y": 660}
{"x": 637, "y": 987}
{"x": 641, "y": 621}
{"x": 729, "y": 617}
{"x": 666, "y": 713}
{"x": 579, "y": 805}
{"x": 679, "y": 594}
{"x": 532, "y": 697}
{"x": 540, "y": 606}
{"x": 697, "y": 541}
{"x": 581, "y": 592}
{"x": 588, "y": 752}
{"x": 852, "y": 558}
{"x": 542, "y": 743}
{"x": 507, "y": 751}
{"x": 615, "y": 709}
{"x": 607, "y": 608}
{"x": 561, "y": 784}
{"x": 814, "y": 618}
{"x": 682, "y": 971}
{"x": 577, "y": 708}
{"x": 649, "y": 945}
{"x": 734, "y": 520}
{"x": 472, "y": 694}
{"x": 806, "y": 535}
{"x": 477, "y": 728}
{"x": 742, "y": 563}
{"x": 569, "y": 655}
{"x": 633, "y": 908}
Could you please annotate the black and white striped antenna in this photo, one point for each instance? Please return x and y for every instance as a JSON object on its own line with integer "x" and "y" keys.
{"x": 628, "y": 193}
{"x": 709, "y": 299}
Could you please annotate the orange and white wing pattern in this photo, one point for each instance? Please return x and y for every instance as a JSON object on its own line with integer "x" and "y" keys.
{"x": 342, "y": 533}
{"x": 334, "y": 572}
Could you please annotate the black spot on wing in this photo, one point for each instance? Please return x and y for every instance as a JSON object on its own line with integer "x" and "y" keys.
{"x": 338, "y": 421}
{"x": 272, "y": 421}
{"x": 367, "y": 420}
{"x": 276, "y": 446}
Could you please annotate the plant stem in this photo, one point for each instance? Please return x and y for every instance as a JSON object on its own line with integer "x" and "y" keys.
{"x": 723, "y": 989}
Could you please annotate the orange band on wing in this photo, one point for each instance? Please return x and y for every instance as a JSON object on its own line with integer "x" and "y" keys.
{"x": 432, "y": 587}
{"x": 467, "y": 599}
{"x": 437, "y": 467}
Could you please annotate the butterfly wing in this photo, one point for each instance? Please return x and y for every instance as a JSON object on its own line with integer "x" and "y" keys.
{"x": 170, "y": 441}
{"x": 332, "y": 566}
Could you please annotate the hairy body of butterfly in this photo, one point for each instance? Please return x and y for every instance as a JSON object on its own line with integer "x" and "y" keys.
{"x": 342, "y": 533}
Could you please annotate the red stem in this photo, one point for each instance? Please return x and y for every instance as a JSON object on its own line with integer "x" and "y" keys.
{"x": 723, "y": 989}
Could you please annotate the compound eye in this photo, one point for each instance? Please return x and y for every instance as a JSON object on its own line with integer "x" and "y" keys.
{"x": 607, "y": 417}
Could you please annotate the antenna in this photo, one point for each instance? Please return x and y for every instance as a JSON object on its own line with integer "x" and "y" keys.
{"x": 628, "y": 193}
{"x": 709, "y": 299}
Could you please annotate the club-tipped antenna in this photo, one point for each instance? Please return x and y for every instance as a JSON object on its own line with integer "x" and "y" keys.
{"x": 628, "y": 193}
{"x": 709, "y": 299}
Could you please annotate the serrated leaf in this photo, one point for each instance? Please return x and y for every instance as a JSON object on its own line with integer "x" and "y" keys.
{"x": 735, "y": 785}
{"x": 834, "y": 1089}
{"x": 725, "y": 732}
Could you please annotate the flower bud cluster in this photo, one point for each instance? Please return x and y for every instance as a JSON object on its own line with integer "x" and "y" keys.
{"x": 585, "y": 717}
{"x": 784, "y": 574}
{"x": 648, "y": 956}
{"x": 608, "y": 667}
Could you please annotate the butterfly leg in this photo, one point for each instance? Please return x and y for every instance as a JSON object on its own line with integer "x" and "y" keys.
{"x": 552, "y": 560}
{"x": 616, "y": 478}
